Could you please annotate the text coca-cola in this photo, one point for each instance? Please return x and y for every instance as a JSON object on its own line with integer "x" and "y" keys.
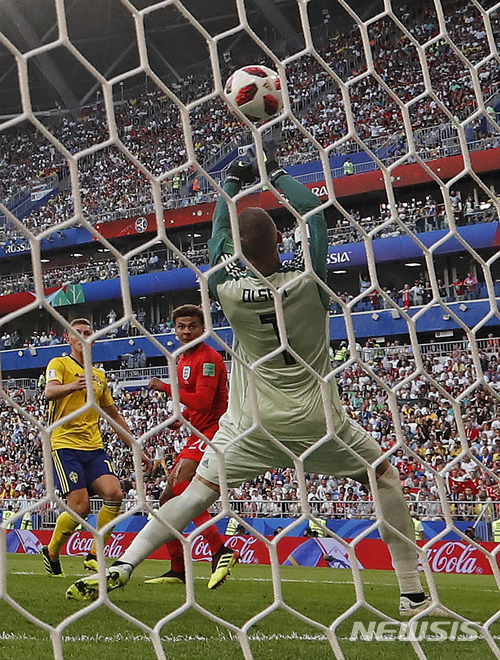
{"x": 81, "y": 545}
{"x": 200, "y": 549}
{"x": 454, "y": 557}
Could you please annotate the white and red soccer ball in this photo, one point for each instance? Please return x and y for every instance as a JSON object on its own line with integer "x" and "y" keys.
{"x": 256, "y": 91}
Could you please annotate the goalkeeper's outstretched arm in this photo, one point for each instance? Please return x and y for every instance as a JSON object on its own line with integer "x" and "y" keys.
{"x": 220, "y": 245}
{"x": 302, "y": 200}
{"x": 245, "y": 170}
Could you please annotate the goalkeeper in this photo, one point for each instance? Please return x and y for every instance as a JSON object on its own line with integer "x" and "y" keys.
{"x": 290, "y": 396}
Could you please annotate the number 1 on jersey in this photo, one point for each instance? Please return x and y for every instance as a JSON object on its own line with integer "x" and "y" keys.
{"x": 271, "y": 318}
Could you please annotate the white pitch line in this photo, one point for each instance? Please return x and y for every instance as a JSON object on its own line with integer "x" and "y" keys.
{"x": 120, "y": 638}
{"x": 287, "y": 580}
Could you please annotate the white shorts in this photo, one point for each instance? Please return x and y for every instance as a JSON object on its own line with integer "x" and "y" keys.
{"x": 253, "y": 454}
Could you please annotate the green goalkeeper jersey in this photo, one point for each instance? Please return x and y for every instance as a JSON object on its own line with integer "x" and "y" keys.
{"x": 287, "y": 382}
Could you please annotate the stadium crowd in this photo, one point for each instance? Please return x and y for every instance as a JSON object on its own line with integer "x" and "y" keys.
{"x": 430, "y": 433}
{"x": 90, "y": 270}
{"x": 377, "y": 115}
{"x": 150, "y": 128}
{"x": 415, "y": 294}
{"x": 10, "y": 340}
{"x": 415, "y": 214}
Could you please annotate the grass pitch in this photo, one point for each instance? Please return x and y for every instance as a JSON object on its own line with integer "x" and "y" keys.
{"x": 321, "y": 594}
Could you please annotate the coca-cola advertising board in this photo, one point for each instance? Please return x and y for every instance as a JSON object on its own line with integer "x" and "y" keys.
{"x": 444, "y": 556}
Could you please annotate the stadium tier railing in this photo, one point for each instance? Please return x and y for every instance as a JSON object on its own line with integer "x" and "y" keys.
{"x": 436, "y": 349}
{"x": 145, "y": 373}
{"x": 473, "y": 511}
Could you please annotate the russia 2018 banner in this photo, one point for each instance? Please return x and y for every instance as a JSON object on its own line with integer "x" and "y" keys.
{"x": 444, "y": 556}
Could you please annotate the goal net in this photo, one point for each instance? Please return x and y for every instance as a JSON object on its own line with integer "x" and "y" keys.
{"x": 386, "y": 99}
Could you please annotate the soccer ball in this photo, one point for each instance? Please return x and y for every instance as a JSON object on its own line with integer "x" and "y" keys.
{"x": 256, "y": 91}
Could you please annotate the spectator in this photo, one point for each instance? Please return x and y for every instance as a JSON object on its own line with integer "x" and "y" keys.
{"x": 348, "y": 167}
{"x": 417, "y": 293}
{"x": 459, "y": 288}
{"x": 471, "y": 286}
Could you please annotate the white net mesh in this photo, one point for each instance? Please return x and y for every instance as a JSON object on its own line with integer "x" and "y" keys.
{"x": 402, "y": 85}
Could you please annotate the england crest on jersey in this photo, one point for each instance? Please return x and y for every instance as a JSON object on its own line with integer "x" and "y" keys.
{"x": 186, "y": 372}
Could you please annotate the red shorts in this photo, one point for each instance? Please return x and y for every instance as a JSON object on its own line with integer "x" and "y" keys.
{"x": 195, "y": 447}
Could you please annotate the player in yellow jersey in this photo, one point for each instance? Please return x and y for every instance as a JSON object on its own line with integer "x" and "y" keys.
{"x": 81, "y": 466}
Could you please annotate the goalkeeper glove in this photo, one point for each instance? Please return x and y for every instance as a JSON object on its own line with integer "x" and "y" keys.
{"x": 272, "y": 168}
{"x": 241, "y": 171}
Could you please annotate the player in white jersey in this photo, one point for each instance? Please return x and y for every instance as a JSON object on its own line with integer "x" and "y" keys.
{"x": 289, "y": 395}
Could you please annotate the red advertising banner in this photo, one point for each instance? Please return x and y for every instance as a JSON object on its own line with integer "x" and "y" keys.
{"x": 457, "y": 557}
{"x": 347, "y": 186}
{"x": 10, "y": 302}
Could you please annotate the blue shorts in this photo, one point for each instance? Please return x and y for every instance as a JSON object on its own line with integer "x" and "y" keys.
{"x": 76, "y": 468}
